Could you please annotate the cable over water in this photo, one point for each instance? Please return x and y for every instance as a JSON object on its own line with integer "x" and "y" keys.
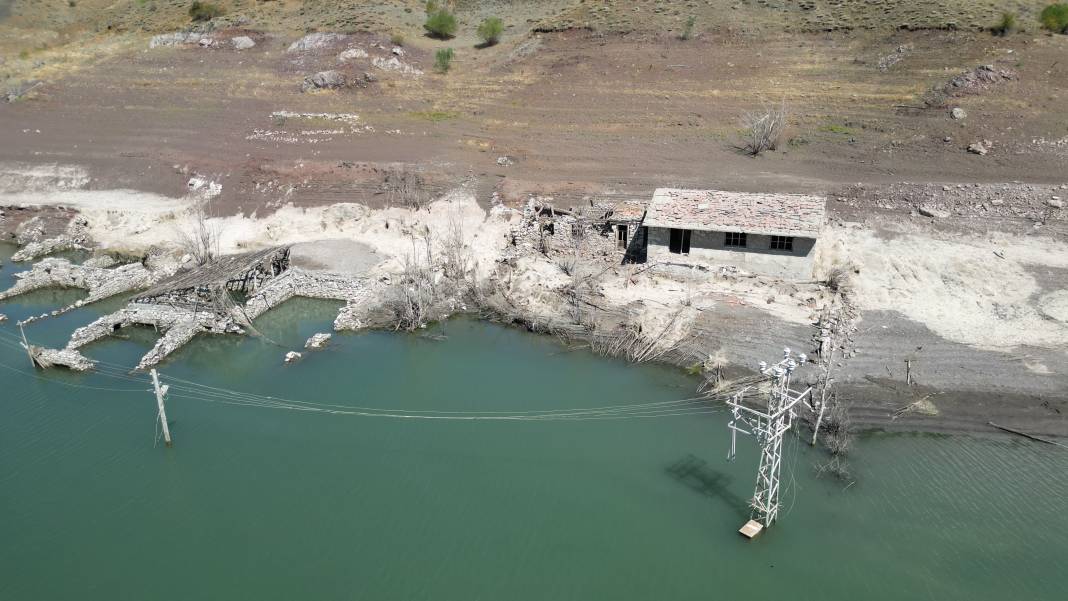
{"x": 180, "y": 388}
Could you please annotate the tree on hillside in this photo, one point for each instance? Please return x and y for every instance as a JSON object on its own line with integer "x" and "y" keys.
{"x": 440, "y": 24}
{"x": 1055, "y": 18}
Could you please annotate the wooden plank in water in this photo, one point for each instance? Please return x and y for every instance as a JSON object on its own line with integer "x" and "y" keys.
{"x": 1026, "y": 435}
{"x": 751, "y": 529}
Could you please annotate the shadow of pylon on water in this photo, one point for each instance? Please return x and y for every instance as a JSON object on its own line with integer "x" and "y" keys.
{"x": 695, "y": 473}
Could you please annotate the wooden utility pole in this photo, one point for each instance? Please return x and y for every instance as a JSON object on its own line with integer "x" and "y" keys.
{"x": 26, "y": 345}
{"x": 160, "y": 392}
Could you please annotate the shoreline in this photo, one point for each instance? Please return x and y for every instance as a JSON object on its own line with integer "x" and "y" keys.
{"x": 696, "y": 317}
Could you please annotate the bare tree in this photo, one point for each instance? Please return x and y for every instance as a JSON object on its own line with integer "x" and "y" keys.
{"x": 200, "y": 238}
{"x": 414, "y": 291}
{"x": 763, "y": 130}
{"x": 455, "y": 252}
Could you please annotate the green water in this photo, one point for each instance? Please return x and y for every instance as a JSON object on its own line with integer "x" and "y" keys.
{"x": 257, "y": 503}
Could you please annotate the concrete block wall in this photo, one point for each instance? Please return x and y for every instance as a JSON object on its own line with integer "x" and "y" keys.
{"x": 707, "y": 248}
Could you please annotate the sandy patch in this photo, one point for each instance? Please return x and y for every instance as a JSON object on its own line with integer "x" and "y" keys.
{"x": 956, "y": 286}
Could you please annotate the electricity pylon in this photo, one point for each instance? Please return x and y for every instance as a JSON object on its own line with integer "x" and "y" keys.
{"x": 769, "y": 426}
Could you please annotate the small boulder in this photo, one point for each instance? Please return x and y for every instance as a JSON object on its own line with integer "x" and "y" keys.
{"x": 505, "y": 161}
{"x": 1056, "y": 202}
{"x": 958, "y": 113}
{"x": 206, "y": 43}
{"x": 292, "y": 356}
{"x": 3, "y": 317}
{"x": 323, "y": 80}
{"x": 242, "y": 42}
{"x": 394, "y": 64}
{"x": 317, "y": 341}
{"x": 935, "y": 213}
{"x": 980, "y": 148}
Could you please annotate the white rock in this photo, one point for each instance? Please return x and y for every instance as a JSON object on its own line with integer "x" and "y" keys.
{"x": 352, "y": 54}
{"x": 1056, "y": 203}
{"x": 174, "y": 39}
{"x": 929, "y": 211}
{"x": 242, "y": 42}
{"x": 315, "y": 41}
{"x": 292, "y": 356}
{"x": 393, "y": 64}
{"x": 317, "y": 341}
{"x": 958, "y": 113}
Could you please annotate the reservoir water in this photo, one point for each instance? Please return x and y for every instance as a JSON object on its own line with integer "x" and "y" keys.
{"x": 262, "y": 503}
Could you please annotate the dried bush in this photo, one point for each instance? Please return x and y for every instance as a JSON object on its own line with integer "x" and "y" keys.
{"x": 687, "y": 29}
{"x": 413, "y": 293}
{"x": 1005, "y": 25}
{"x": 838, "y": 278}
{"x": 763, "y": 130}
{"x": 200, "y": 238}
{"x": 457, "y": 256}
{"x": 204, "y": 11}
{"x": 405, "y": 188}
{"x": 631, "y": 342}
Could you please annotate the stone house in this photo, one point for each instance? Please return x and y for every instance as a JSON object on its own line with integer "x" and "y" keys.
{"x": 770, "y": 234}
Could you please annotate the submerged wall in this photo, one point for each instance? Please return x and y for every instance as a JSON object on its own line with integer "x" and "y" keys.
{"x": 708, "y": 248}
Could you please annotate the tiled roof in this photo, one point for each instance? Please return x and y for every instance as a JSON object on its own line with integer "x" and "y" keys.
{"x": 627, "y": 211}
{"x": 715, "y": 210}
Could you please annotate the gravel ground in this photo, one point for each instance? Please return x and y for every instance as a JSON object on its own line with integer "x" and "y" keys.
{"x": 337, "y": 256}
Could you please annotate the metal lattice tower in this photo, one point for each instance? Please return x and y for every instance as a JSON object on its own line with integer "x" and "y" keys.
{"x": 769, "y": 426}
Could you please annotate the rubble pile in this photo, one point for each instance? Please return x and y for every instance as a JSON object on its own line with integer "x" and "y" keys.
{"x": 178, "y": 326}
{"x": 35, "y": 244}
{"x": 977, "y": 80}
{"x": 324, "y": 80}
{"x": 68, "y": 358}
{"x": 561, "y": 233}
{"x": 100, "y": 282}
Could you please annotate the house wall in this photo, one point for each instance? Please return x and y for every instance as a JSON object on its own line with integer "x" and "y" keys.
{"x": 707, "y": 248}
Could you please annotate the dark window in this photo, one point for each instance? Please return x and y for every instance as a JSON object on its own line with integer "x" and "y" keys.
{"x": 734, "y": 239}
{"x": 782, "y": 243}
{"x": 621, "y": 235}
{"x": 679, "y": 242}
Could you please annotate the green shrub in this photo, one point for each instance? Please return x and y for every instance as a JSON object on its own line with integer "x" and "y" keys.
{"x": 687, "y": 29}
{"x": 1055, "y": 18}
{"x": 396, "y": 38}
{"x": 441, "y": 24}
{"x": 443, "y": 60}
{"x": 431, "y": 7}
{"x": 490, "y": 30}
{"x": 204, "y": 11}
{"x": 1006, "y": 25}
